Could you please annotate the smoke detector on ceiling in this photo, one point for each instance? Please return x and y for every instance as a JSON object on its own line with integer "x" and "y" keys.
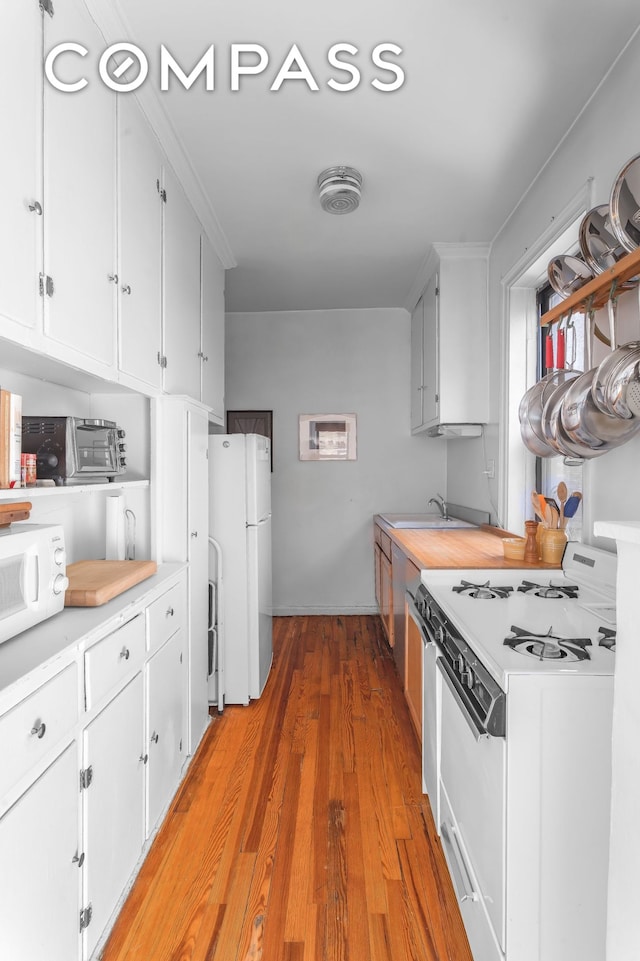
{"x": 339, "y": 189}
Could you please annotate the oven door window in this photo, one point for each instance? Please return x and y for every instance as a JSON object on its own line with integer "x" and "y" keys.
{"x": 13, "y": 587}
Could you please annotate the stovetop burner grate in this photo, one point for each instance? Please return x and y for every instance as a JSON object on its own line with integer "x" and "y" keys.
{"x": 545, "y": 647}
{"x": 551, "y": 590}
{"x": 486, "y": 591}
{"x": 607, "y": 638}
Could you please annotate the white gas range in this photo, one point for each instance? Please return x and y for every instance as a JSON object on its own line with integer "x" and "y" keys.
{"x": 518, "y": 690}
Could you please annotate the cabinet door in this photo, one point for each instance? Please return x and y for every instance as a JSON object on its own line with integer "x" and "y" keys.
{"x": 79, "y": 194}
{"x": 430, "y": 363}
{"x": 20, "y": 162}
{"x": 386, "y": 599}
{"x": 417, "y": 326}
{"x": 113, "y": 804}
{"x": 164, "y": 726}
{"x": 212, "y": 331}
{"x": 198, "y": 511}
{"x": 181, "y": 247}
{"x": 139, "y": 245}
{"x": 39, "y": 880}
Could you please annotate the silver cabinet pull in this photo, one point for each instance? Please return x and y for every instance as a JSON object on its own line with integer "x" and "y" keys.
{"x": 169, "y": 612}
{"x": 154, "y": 737}
{"x": 194, "y": 533}
{"x": 79, "y": 860}
{"x": 126, "y": 289}
{"x": 144, "y": 758}
{"x": 112, "y": 278}
{"x": 35, "y": 208}
{"x": 39, "y": 729}
{"x": 125, "y": 653}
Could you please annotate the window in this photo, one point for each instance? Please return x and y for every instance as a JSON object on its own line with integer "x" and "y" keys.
{"x": 549, "y": 471}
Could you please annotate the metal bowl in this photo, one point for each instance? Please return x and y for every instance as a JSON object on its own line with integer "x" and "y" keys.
{"x": 567, "y": 274}
{"x": 624, "y": 204}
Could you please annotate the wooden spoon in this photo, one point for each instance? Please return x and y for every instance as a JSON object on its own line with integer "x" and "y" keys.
{"x": 562, "y": 493}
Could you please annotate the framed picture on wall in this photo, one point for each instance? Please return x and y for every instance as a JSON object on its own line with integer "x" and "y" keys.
{"x": 327, "y": 436}
{"x": 251, "y": 422}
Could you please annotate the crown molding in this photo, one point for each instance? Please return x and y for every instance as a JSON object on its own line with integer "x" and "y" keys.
{"x": 113, "y": 24}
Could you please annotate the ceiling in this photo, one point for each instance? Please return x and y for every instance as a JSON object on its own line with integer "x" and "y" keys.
{"x": 491, "y": 88}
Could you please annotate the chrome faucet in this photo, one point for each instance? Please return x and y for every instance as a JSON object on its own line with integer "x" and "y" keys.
{"x": 441, "y": 504}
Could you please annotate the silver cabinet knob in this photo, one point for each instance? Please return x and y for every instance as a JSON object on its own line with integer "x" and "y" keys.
{"x": 126, "y": 289}
{"x": 78, "y": 859}
{"x": 169, "y": 612}
{"x": 154, "y": 737}
{"x": 112, "y": 278}
{"x": 36, "y": 208}
{"x": 194, "y": 533}
{"x": 38, "y": 729}
{"x": 125, "y": 653}
{"x": 144, "y": 758}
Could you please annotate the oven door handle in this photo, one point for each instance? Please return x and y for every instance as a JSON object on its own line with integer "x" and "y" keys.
{"x": 477, "y": 729}
{"x": 417, "y": 618}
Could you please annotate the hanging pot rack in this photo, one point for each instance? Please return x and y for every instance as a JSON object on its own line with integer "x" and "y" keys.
{"x": 597, "y": 292}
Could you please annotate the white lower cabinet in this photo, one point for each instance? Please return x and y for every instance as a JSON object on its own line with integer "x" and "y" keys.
{"x": 165, "y": 722}
{"x": 113, "y": 804}
{"x": 84, "y": 792}
{"x": 39, "y": 859}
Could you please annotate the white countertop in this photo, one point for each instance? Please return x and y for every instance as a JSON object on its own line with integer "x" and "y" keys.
{"x": 41, "y": 651}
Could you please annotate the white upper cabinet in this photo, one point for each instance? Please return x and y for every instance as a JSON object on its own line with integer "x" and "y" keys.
{"x": 79, "y": 195}
{"x": 20, "y": 163}
{"x": 181, "y": 289}
{"x": 212, "y": 331}
{"x": 140, "y": 163}
{"x": 449, "y": 345}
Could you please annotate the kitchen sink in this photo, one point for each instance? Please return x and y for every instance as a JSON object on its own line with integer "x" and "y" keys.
{"x": 423, "y": 522}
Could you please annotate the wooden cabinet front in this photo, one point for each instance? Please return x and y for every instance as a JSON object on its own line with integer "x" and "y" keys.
{"x": 384, "y": 580}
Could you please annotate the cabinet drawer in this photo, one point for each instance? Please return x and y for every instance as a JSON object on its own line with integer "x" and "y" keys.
{"x": 166, "y": 615}
{"x": 30, "y": 729}
{"x": 113, "y": 658}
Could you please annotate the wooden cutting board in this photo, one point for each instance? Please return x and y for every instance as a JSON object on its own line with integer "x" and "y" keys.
{"x": 14, "y": 511}
{"x": 92, "y": 583}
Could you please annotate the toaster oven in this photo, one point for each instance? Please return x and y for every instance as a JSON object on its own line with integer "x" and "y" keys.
{"x": 74, "y": 449}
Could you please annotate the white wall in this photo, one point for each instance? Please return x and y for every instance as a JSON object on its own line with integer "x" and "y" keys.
{"x": 601, "y": 141}
{"x": 341, "y": 361}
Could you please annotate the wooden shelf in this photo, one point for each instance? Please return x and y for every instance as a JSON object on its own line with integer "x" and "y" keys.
{"x": 28, "y": 493}
{"x": 596, "y": 292}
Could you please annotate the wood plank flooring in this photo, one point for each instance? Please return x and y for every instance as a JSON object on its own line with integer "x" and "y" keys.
{"x": 300, "y": 832}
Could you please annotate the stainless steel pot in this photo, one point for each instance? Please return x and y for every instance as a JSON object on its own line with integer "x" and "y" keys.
{"x": 585, "y": 424}
{"x": 530, "y": 413}
{"x": 616, "y": 382}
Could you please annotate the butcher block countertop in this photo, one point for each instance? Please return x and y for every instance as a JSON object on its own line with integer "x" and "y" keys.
{"x": 479, "y": 547}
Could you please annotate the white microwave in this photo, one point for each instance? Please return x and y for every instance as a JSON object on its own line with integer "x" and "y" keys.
{"x": 32, "y": 576}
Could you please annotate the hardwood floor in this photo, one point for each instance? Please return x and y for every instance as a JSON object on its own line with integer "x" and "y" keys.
{"x": 301, "y": 832}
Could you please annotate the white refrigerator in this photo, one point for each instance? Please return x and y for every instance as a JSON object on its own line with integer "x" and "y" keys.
{"x": 240, "y": 532}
